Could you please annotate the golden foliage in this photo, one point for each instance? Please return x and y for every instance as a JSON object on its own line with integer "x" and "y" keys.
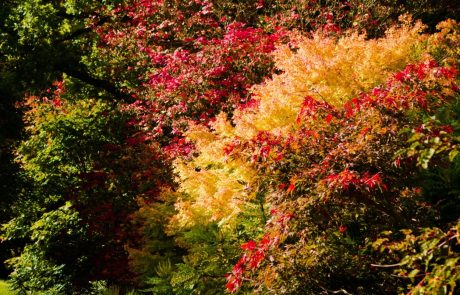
{"x": 214, "y": 186}
{"x": 333, "y": 70}
{"x": 446, "y": 43}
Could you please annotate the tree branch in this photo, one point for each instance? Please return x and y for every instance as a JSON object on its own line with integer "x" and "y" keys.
{"x": 81, "y": 31}
{"x": 98, "y": 83}
{"x": 73, "y": 35}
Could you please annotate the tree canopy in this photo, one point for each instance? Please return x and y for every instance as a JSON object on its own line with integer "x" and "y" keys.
{"x": 215, "y": 146}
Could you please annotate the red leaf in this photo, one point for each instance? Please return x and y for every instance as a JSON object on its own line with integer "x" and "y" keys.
{"x": 249, "y": 246}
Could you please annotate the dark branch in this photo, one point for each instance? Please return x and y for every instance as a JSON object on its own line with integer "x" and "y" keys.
{"x": 66, "y": 15}
{"x": 98, "y": 83}
{"x": 81, "y": 31}
{"x": 73, "y": 35}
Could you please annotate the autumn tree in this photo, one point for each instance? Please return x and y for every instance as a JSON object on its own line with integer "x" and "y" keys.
{"x": 331, "y": 163}
{"x": 111, "y": 89}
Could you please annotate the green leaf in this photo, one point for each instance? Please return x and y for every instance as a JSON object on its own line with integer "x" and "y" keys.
{"x": 453, "y": 154}
{"x": 413, "y": 273}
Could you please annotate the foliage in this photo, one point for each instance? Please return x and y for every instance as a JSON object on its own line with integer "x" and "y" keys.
{"x": 42, "y": 265}
{"x": 427, "y": 257}
{"x": 63, "y": 161}
{"x": 316, "y": 137}
{"x": 324, "y": 153}
{"x": 196, "y": 257}
{"x": 190, "y": 72}
{"x": 217, "y": 189}
{"x": 216, "y": 180}
{"x": 191, "y": 60}
{"x": 39, "y": 40}
{"x": 5, "y": 288}
{"x": 43, "y": 39}
{"x": 430, "y": 259}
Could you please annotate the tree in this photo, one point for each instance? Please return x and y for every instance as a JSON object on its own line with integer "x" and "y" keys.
{"x": 326, "y": 155}
{"x": 152, "y": 71}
